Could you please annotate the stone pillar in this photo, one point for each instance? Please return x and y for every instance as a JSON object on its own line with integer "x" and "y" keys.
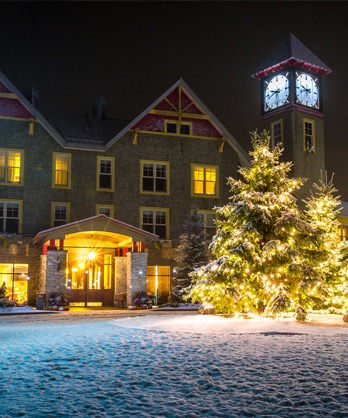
{"x": 43, "y": 259}
{"x": 120, "y": 281}
{"x": 55, "y": 272}
{"x": 136, "y": 275}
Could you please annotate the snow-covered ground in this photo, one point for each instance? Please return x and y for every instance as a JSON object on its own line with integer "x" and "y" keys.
{"x": 172, "y": 366}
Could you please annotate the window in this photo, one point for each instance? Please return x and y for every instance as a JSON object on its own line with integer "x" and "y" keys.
{"x": 342, "y": 232}
{"x": 173, "y": 127}
{"x": 10, "y": 216}
{"x": 107, "y": 210}
{"x": 61, "y": 171}
{"x": 277, "y": 133}
{"x": 155, "y": 220}
{"x": 158, "y": 283}
{"x": 204, "y": 180}
{"x": 308, "y": 135}
{"x": 60, "y": 213}
{"x": 11, "y": 167}
{"x": 107, "y": 271}
{"x": 155, "y": 177}
{"x": 16, "y": 278}
{"x": 105, "y": 174}
{"x": 208, "y": 220}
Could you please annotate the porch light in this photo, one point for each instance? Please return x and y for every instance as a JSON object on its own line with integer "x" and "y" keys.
{"x": 140, "y": 272}
{"x": 91, "y": 255}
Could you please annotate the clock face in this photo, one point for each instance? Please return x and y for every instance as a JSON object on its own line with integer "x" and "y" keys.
{"x": 307, "y": 90}
{"x": 276, "y": 91}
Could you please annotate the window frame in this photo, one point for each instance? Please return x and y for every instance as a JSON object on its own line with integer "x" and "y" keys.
{"x": 343, "y": 237}
{"x": 166, "y": 121}
{"x": 154, "y": 209}
{"x": 54, "y": 156}
{"x": 154, "y": 162}
{"x": 205, "y": 166}
{"x": 204, "y": 213}
{"x": 98, "y": 206}
{"x": 20, "y": 213}
{"x": 312, "y": 122}
{"x": 112, "y": 159}
{"x": 53, "y": 204}
{"x": 21, "y": 182}
{"x": 278, "y": 121}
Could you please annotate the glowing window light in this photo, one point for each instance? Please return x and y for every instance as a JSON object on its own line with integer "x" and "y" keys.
{"x": 81, "y": 266}
{"x": 91, "y": 255}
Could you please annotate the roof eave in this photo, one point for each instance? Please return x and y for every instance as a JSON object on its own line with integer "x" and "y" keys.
{"x": 242, "y": 154}
{"x": 30, "y": 108}
{"x": 291, "y": 62}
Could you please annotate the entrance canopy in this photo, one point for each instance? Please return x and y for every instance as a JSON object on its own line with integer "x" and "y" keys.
{"x": 99, "y": 231}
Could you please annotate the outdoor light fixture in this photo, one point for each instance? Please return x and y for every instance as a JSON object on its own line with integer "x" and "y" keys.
{"x": 140, "y": 272}
{"x": 91, "y": 255}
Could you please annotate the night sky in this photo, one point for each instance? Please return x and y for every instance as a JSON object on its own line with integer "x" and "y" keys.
{"x": 132, "y": 52}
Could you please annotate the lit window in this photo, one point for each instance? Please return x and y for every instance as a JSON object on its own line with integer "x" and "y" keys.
{"x": 16, "y": 279}
{"x": 277, "y": 133}
{"x": 155, "y": 221}
{"x": 105, "y": 179}
{"x": 10, "y": 215}
{"x": 107, "y": 271}
{"x": 154, "y": 177}
{"x": 173, "y": 127}
{"x": 342, "y": 232}
{"x": 11, "y": 166}
{"x": 204, "y": 180}
{"x": 107, "y": 210}
{"x": 308, "y": 135}
{"x": 158, "y": 283}
{"x": 208, "y": 221}
{"x": 60, "y": 212}
{"x": 61, "y": 170}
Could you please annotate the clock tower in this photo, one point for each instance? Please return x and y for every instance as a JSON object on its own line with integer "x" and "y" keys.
{"x": 292, "y": 107}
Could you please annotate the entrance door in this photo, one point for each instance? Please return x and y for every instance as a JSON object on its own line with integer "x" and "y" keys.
{"x": 90, "y": 283}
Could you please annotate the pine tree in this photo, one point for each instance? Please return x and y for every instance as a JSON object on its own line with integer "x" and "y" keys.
{"x": 192, "y": 253}
{"x": 260, "y": 263}
{"x": 329, "y": 256}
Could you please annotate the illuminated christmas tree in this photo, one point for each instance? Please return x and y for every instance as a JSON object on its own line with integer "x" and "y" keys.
{"x": 260, "y": 265}
{"x": 329, "y": 256}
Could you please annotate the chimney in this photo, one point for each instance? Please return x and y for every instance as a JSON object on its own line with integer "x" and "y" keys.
{"x": 34, "y": 97}
{"x": 99, "y": 108}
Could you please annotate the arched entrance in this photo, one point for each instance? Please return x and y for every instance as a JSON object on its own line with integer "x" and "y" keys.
{"x": 90, "y": 248}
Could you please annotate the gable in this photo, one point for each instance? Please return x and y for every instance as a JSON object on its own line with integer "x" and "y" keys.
{"x": 178, "y": 106}
{"x": 10, "y": 106}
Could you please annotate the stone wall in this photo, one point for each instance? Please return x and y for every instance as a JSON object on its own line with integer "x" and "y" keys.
{"x": 120, "y": 280}
{"x": 55, "y": 272}
{"x": 43, "y": 273}
{"x": 136, "y": 275}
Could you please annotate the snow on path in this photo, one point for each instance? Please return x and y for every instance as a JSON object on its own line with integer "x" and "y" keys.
{"x": 173, "y": 367}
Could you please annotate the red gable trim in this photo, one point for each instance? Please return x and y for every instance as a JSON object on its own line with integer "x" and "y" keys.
{"x": 291, "y": 62}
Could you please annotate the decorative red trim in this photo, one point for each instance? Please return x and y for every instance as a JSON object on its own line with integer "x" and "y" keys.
{"x": 52, "y": 244}
{"x": 44, "y": 249}
{"x": 292, "y": 107}
{"x": 61, "y": 244}
{"x": 291, "y": 62}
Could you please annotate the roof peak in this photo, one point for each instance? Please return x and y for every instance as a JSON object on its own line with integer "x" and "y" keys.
{"x": 291, "y": 52}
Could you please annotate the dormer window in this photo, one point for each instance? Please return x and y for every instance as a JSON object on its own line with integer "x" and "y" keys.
{"x": 173, "y": 127}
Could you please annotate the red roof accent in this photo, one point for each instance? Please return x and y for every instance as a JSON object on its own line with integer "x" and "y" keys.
{"x": 292, "y": 62}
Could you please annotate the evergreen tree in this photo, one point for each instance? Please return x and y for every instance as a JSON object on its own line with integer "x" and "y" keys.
{"x": 329, "y": 256}
{"x": 260, "y": 263}
{"x": 192, "y": 253}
